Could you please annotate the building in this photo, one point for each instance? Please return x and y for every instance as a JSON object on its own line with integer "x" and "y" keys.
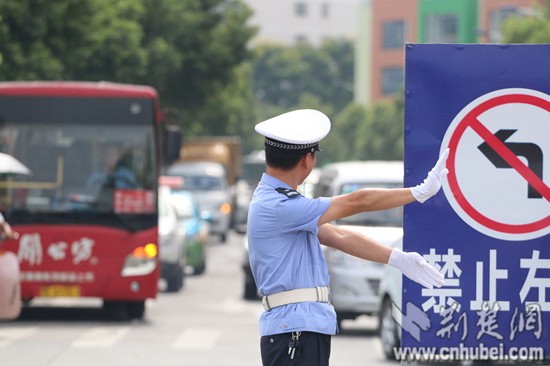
{"x": 386, "y": 25}
{"x": 311, "y": 21}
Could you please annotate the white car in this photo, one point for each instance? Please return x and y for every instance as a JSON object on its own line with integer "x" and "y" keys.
{"x": 390, "y": 296}
{"x": 172, "y": 248}
{"x": 354, "y": 282}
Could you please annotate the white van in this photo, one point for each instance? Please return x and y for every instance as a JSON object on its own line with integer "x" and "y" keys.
{"x": 354, "y": 282}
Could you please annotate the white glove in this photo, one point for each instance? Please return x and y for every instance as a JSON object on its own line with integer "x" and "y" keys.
{"x": 415, "y": 267}
{"x": 432, "y": 183}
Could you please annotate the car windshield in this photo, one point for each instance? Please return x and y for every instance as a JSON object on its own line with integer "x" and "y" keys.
{"x": 393, "y": 217}
{"x": 193, "y": 182}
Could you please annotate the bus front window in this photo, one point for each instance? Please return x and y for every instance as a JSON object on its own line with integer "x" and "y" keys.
{"x": 92, "y": 168}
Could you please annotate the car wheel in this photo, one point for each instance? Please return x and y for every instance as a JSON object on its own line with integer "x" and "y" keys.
{"x": 388, "y": 330}
{"x": 250, "y": 289}
{"x": 200, "y": 268}
{"x": 174, "y": 282}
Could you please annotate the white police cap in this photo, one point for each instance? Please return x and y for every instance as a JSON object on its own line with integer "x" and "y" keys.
{"x": 296, "y": 130}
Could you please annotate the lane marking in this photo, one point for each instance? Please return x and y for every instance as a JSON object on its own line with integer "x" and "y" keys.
{"x": 12, "y": 334}
{"x": 102, "y": 337}
{"x": 197, "y": 338}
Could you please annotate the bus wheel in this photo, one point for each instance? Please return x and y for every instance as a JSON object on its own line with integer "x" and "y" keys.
{"x": 135, "y": 309}
{"x": 115, "y": 310}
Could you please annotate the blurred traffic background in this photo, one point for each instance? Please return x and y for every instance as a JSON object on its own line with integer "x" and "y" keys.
{"x": 219, "y": 67}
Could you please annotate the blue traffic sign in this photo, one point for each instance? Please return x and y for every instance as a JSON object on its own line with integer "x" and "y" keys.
{"x": 488, "y": 230}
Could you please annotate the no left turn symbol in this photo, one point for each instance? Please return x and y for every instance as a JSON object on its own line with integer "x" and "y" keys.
{"x": 499, "y": 174}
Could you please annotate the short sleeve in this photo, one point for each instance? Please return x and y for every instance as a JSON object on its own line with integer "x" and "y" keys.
{"x": 302, "y": 213}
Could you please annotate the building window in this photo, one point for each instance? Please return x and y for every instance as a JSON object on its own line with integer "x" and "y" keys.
{"x": 496, "y": 19}
{"x": 392, "y": 80}
{"x": 442, "y": 28}
{"x": 393, "y": 34}
{"x": 325, "y": 10}
{"x": 300, "y": 39}
{"x": 300, "y": 9}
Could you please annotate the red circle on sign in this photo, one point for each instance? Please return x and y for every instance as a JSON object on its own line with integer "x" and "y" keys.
{"x": 468, "y": 121}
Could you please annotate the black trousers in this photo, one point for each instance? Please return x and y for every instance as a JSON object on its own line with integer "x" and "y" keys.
{"x": 313, "y": 350}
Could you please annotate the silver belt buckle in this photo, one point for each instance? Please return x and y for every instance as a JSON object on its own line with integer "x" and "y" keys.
{"x": 265, "y": 303}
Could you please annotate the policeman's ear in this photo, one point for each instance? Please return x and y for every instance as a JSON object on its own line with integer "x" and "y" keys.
{"x": 308, "y": 159}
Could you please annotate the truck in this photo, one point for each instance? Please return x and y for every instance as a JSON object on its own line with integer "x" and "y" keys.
{"x": 225, "y": 150}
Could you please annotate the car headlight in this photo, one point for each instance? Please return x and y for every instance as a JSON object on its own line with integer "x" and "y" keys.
{"x": 225, "y": 208}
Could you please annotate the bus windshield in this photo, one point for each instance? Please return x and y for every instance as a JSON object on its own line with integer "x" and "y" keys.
{"x": 91, "y": 155}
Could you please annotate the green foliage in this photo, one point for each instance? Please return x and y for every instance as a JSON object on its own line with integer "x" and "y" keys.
{"x": 302, "y": 76}
{"x": 283, "y": 74}
{"x": 70, "y": 40}
{"x": 361, "y": 133}
{"x": 189, "y": 50}
{"x": 194, "y": 47}
{"x": 195, "y": 53}
{"x": 529, "y": 29}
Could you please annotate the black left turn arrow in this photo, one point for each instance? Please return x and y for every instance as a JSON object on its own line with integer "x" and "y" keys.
{"x": 528, "y": 150}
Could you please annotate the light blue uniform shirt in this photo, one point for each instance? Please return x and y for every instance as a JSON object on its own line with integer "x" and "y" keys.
{"x": 285, "y": 254}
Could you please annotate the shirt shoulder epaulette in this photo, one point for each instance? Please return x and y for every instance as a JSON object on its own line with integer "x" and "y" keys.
{"x": 290, "y": 193}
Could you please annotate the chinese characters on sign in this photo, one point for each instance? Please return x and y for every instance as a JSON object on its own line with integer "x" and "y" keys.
{"x": 445, "y": 301}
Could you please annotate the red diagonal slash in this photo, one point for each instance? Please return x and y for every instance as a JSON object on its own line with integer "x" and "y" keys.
{"x": 510, "y": 157}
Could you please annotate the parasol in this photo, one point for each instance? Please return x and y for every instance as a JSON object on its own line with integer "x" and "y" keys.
{"x": 10, "y": 165}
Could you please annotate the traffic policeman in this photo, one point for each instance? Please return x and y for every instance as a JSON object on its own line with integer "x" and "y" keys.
{"x": 285, "y": 230}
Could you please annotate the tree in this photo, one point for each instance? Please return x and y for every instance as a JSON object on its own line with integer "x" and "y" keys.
{"x": 70, "y": 40}
{"x": 191, "y": 51}
{"x": 194, "y": 48}
{"x": 283, "y": 74}
{"x": 530, "y": 29}
{"x": 366, "y": 133}
{"x": 380, "y": 137}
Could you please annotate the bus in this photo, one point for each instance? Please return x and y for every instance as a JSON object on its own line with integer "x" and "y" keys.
{"x": 79, "y": 167}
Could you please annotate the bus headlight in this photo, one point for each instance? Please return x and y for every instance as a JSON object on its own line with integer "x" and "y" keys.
{"x": 141, "y": 261}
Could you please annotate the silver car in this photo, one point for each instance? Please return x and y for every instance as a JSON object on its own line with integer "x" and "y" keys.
{"x": 208, "y": 182}
{"x": 172, "y": 248}
{"x": 354, "y": 282}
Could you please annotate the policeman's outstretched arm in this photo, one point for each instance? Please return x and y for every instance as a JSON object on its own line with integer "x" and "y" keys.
{"x": 413, "y": 265}
{"x": 375, "y": 199}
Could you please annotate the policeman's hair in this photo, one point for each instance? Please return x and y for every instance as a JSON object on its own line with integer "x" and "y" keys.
{"x": 285, "y": 160}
